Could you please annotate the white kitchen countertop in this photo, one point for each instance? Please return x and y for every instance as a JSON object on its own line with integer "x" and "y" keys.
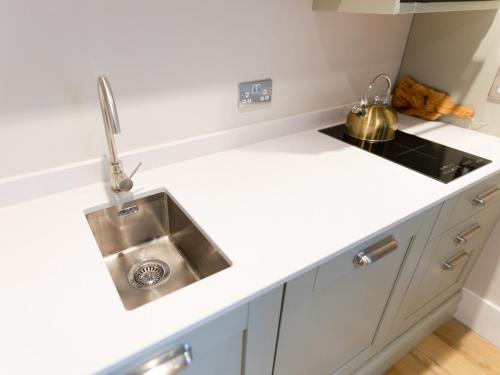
{"x": 276, "y": 209}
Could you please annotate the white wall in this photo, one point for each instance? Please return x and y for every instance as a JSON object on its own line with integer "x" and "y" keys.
{"x": 460, "y": 53}
{"x": 174, "y": 67}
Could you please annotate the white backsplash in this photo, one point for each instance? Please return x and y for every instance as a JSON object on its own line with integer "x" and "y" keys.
{"x": 174, "y": 67}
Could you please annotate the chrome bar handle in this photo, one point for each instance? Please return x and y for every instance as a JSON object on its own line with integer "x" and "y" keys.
{"x": 468, "y": 234}
{"x": 375, "y": 252}
{"x": 486, "y": 197}
{"x": 448, "y": 265}
{"x": 170, "y": 363}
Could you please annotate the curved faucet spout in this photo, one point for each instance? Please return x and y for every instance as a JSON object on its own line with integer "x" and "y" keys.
{"x": 109, "y": 115}
{"x": 119, "y": 180}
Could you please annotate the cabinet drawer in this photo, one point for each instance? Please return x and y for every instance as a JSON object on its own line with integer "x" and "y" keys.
{"x": 439, "y": 278}
{"x": 468, "y": 203}
{"x": 469, "y": 235}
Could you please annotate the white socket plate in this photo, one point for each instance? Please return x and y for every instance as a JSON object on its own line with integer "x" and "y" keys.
{"x": 255, "y": 92}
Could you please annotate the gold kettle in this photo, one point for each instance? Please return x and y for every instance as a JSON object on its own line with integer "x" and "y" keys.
{"x": 376, "y": 122}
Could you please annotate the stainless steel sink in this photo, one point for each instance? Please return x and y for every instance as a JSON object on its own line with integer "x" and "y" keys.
{"x": 151, "y": 248}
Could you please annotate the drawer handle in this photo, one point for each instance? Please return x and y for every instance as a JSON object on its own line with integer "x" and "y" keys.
{"x": 468, "y": 234}
{"x": 484, "y": 198}
{"x": 373, "y": 253}
{"x": 449, "y": 265}
{"x": 170, "y": 363}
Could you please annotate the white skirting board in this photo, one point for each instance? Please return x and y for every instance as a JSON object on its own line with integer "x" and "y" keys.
{"x": 397, "y": 349}
{"x": 481, "y": 315}
{"x": 67, "y": 177}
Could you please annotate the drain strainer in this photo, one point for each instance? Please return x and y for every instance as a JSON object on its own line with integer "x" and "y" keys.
{"x": 148, "y": 273}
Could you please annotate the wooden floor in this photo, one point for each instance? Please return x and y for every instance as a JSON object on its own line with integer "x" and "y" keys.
{"x": 452, "y": 350}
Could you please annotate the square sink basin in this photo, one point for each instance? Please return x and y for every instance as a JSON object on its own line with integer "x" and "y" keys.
{"x": 152, "y": 247}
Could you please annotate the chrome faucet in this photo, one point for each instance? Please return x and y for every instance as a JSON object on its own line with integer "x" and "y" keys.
{"x": 119, "y": 179}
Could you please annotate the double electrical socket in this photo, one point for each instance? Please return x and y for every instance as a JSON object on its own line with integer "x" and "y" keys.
{"x": 494, "y": 95}
{"x": 256, "y": 92}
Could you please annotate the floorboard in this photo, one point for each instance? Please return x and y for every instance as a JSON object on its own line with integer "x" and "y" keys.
{"x": 453, "y": 349}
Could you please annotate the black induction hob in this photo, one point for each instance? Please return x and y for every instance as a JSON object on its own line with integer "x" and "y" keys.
{"x": 432, "y": 159}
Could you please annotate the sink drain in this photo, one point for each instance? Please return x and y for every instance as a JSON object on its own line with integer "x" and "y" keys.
{"x": 148, "y": 274}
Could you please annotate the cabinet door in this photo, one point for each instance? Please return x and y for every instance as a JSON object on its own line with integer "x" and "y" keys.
{"x": 331, "y": 314}
{"x": 241, "y": 341}
{"x": 213, "y": 348}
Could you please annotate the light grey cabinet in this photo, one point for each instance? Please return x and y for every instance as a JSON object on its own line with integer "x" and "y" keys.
{"x": 358, "y": 311}
{"x": 240, "y": 342}
{"x": 461, "y": 231}
{"x": 444, "y": 263}
{"x": 330, "y": 314}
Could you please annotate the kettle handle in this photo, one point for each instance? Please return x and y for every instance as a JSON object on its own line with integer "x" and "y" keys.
{"x": 370, "y": 87}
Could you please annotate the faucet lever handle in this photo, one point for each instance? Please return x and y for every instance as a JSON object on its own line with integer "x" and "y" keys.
{"x": 135, "y": 169}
